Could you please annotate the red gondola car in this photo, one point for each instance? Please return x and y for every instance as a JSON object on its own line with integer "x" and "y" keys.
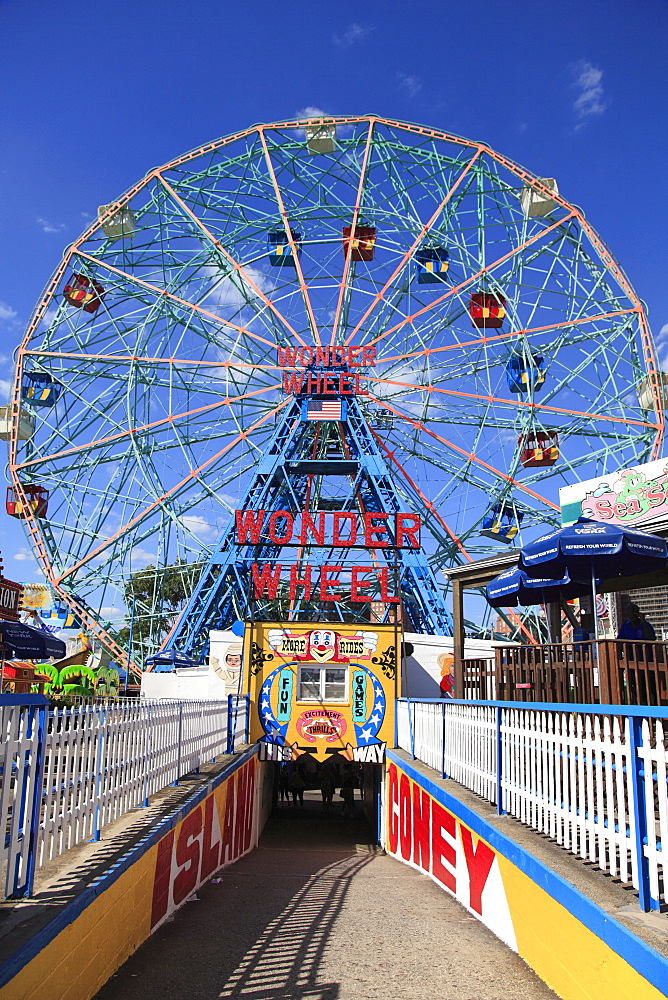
{"x": 37, "y": 497}
{"x": 84, "y": 293}
{"x": 361, "y": 246}
{"x": 538, "y": 449}
{"x": 487, "y": 310}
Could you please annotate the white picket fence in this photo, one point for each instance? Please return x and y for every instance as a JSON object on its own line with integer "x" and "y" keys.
{"x": 94, "y": 763}
{"x": 592, "y": 778}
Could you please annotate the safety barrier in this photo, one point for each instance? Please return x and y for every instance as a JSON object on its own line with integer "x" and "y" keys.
{"x": 593, "y": 778}
{"x": 92, "y": 764}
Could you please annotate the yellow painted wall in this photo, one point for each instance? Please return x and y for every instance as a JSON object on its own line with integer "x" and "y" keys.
{"x": 82, "y": 957}
{"x": 80, "y": 960}
{"x": 573, "y": 960}
{"x": 569, "y": 957}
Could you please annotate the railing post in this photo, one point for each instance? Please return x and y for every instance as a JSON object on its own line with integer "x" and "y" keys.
{"x": 639, "y": 804}
{"x": 100, "y": 761}
{"x": 443, "y": 774}
{"x": 36, "y": 805}
{"x": 499, "y": 763}
{"x": 178, "y": 744}
{"x": 231, "y": 724}
{"x": 411, "y": 733}
{"x": 149, "y": 750}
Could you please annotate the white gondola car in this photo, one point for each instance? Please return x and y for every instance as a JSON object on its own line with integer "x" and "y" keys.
{"x": 121, "y": 223}
{"x": 534, "y": 203}
{"x": 645, "y": 394}
{"x": 26, "y": 425}
{"x": 321, "y": 138}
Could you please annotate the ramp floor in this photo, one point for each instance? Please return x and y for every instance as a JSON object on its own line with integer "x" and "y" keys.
{"x": 316, "y": 914}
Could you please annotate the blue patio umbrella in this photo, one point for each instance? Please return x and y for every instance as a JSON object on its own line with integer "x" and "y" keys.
{"x": 168, "y": 660}
{"x": 514, "y": 587}
{"x": 594, "y": 549}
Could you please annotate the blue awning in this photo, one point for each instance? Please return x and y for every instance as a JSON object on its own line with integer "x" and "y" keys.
{"x": 168, "y": 660}
{"x": 30, "y": 643}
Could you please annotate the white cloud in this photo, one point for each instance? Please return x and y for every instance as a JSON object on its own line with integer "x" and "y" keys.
{"x": 5, "y": 388}
{"x": 354, "y": 33}
{"x": 661, "y": 341}
{"x": 234, "y": 291}
{"x": 48, "y": 317}
{"x": 6, "y": 312}
{"x": 112, "y": 612}
{"x": 310, "y": 112}
{"x": 591, "y": 99}
{"x": 199, "y": 526}
{"x": 412, "y": 84}
{"x": 50, "y": 227}
{"x": 140, "y": 557}
{"x": 24, "y": 555}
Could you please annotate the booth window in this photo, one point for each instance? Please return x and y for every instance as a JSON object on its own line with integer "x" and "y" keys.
{"x": 323, "y": 684}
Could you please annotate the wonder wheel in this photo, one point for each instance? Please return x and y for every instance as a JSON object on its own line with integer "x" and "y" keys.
{"x": 506, "y": 349}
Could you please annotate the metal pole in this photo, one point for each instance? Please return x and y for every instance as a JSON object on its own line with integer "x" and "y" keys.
{"x": 639, "y": 804}
{"x": 130, "y": 642}
{"x": 100, "y": 762}
{"x": 499, "y": 763}
{"x": 231, "y": 725}
{"x": 593, "y": 600}
{"x": 36, "y": 809}
{"x": 178, "y": 752}
{"x": 443, "y": 773}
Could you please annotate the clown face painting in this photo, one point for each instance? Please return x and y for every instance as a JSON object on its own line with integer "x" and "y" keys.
{"x": 322, "y": 645}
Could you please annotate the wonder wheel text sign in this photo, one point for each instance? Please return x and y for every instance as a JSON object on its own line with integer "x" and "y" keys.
{"x": 314, "y": 362}
{"x": 322, "y": 689}
{"x": 349, "y": 530}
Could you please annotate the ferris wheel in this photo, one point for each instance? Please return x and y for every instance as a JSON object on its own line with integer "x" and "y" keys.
{"x": 507, "y": 344}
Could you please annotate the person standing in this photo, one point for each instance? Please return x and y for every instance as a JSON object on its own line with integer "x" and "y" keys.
{"x": 297, "y": 786}
{"x": 636, "y": 626}
{"x": 326, "y": 787}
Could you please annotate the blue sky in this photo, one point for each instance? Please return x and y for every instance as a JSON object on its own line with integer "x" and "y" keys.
{"x": 95, "y": 94}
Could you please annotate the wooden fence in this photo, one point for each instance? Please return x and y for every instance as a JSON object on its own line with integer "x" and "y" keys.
{"x": 606, "y": 672}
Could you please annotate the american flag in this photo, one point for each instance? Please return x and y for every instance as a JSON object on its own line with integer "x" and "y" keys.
{"x": 323, "y": 409}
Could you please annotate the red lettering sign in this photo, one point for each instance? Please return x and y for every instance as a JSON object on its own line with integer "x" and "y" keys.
{"x": 197, "y": 848}
{"x": 327, "y": 529}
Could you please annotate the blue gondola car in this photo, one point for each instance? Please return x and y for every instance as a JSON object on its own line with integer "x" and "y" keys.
{"x": 432, "y": 265}
{"x": 523, "y": 374}
{"x": 280, "y": 250}
{"x": 40, "y": 389}
{"x": 501, "y": 524}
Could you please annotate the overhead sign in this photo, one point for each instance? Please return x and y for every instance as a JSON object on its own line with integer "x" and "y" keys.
{"x": 322, "y": 688}
{"x": 636, "y": 497}
{"x": 10, "y": 600}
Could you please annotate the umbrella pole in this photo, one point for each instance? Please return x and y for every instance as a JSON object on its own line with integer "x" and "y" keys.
{"x": 593, "y": 600}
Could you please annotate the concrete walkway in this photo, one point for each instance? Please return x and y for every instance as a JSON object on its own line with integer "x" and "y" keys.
{"x": 315, "y": 914}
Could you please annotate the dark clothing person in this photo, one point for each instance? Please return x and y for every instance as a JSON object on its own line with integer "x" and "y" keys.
{"x": 636, "y": 627}
{"x": 326, "y": 788}
{"x": 297, "y": 786}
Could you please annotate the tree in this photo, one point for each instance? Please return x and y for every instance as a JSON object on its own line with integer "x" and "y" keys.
{"x": 156, "y": 596}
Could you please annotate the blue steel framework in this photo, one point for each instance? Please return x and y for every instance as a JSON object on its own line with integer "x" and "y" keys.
{"x": 319, "y": 465}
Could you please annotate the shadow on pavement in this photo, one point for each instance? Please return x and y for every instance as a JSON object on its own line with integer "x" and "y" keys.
{"x": 260, "y": 928}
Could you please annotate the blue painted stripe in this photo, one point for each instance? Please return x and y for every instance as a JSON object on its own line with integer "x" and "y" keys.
{"x": 645, "y": 960}
{"x": 644, "y": 711}
{"x": 75, "y": 908}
